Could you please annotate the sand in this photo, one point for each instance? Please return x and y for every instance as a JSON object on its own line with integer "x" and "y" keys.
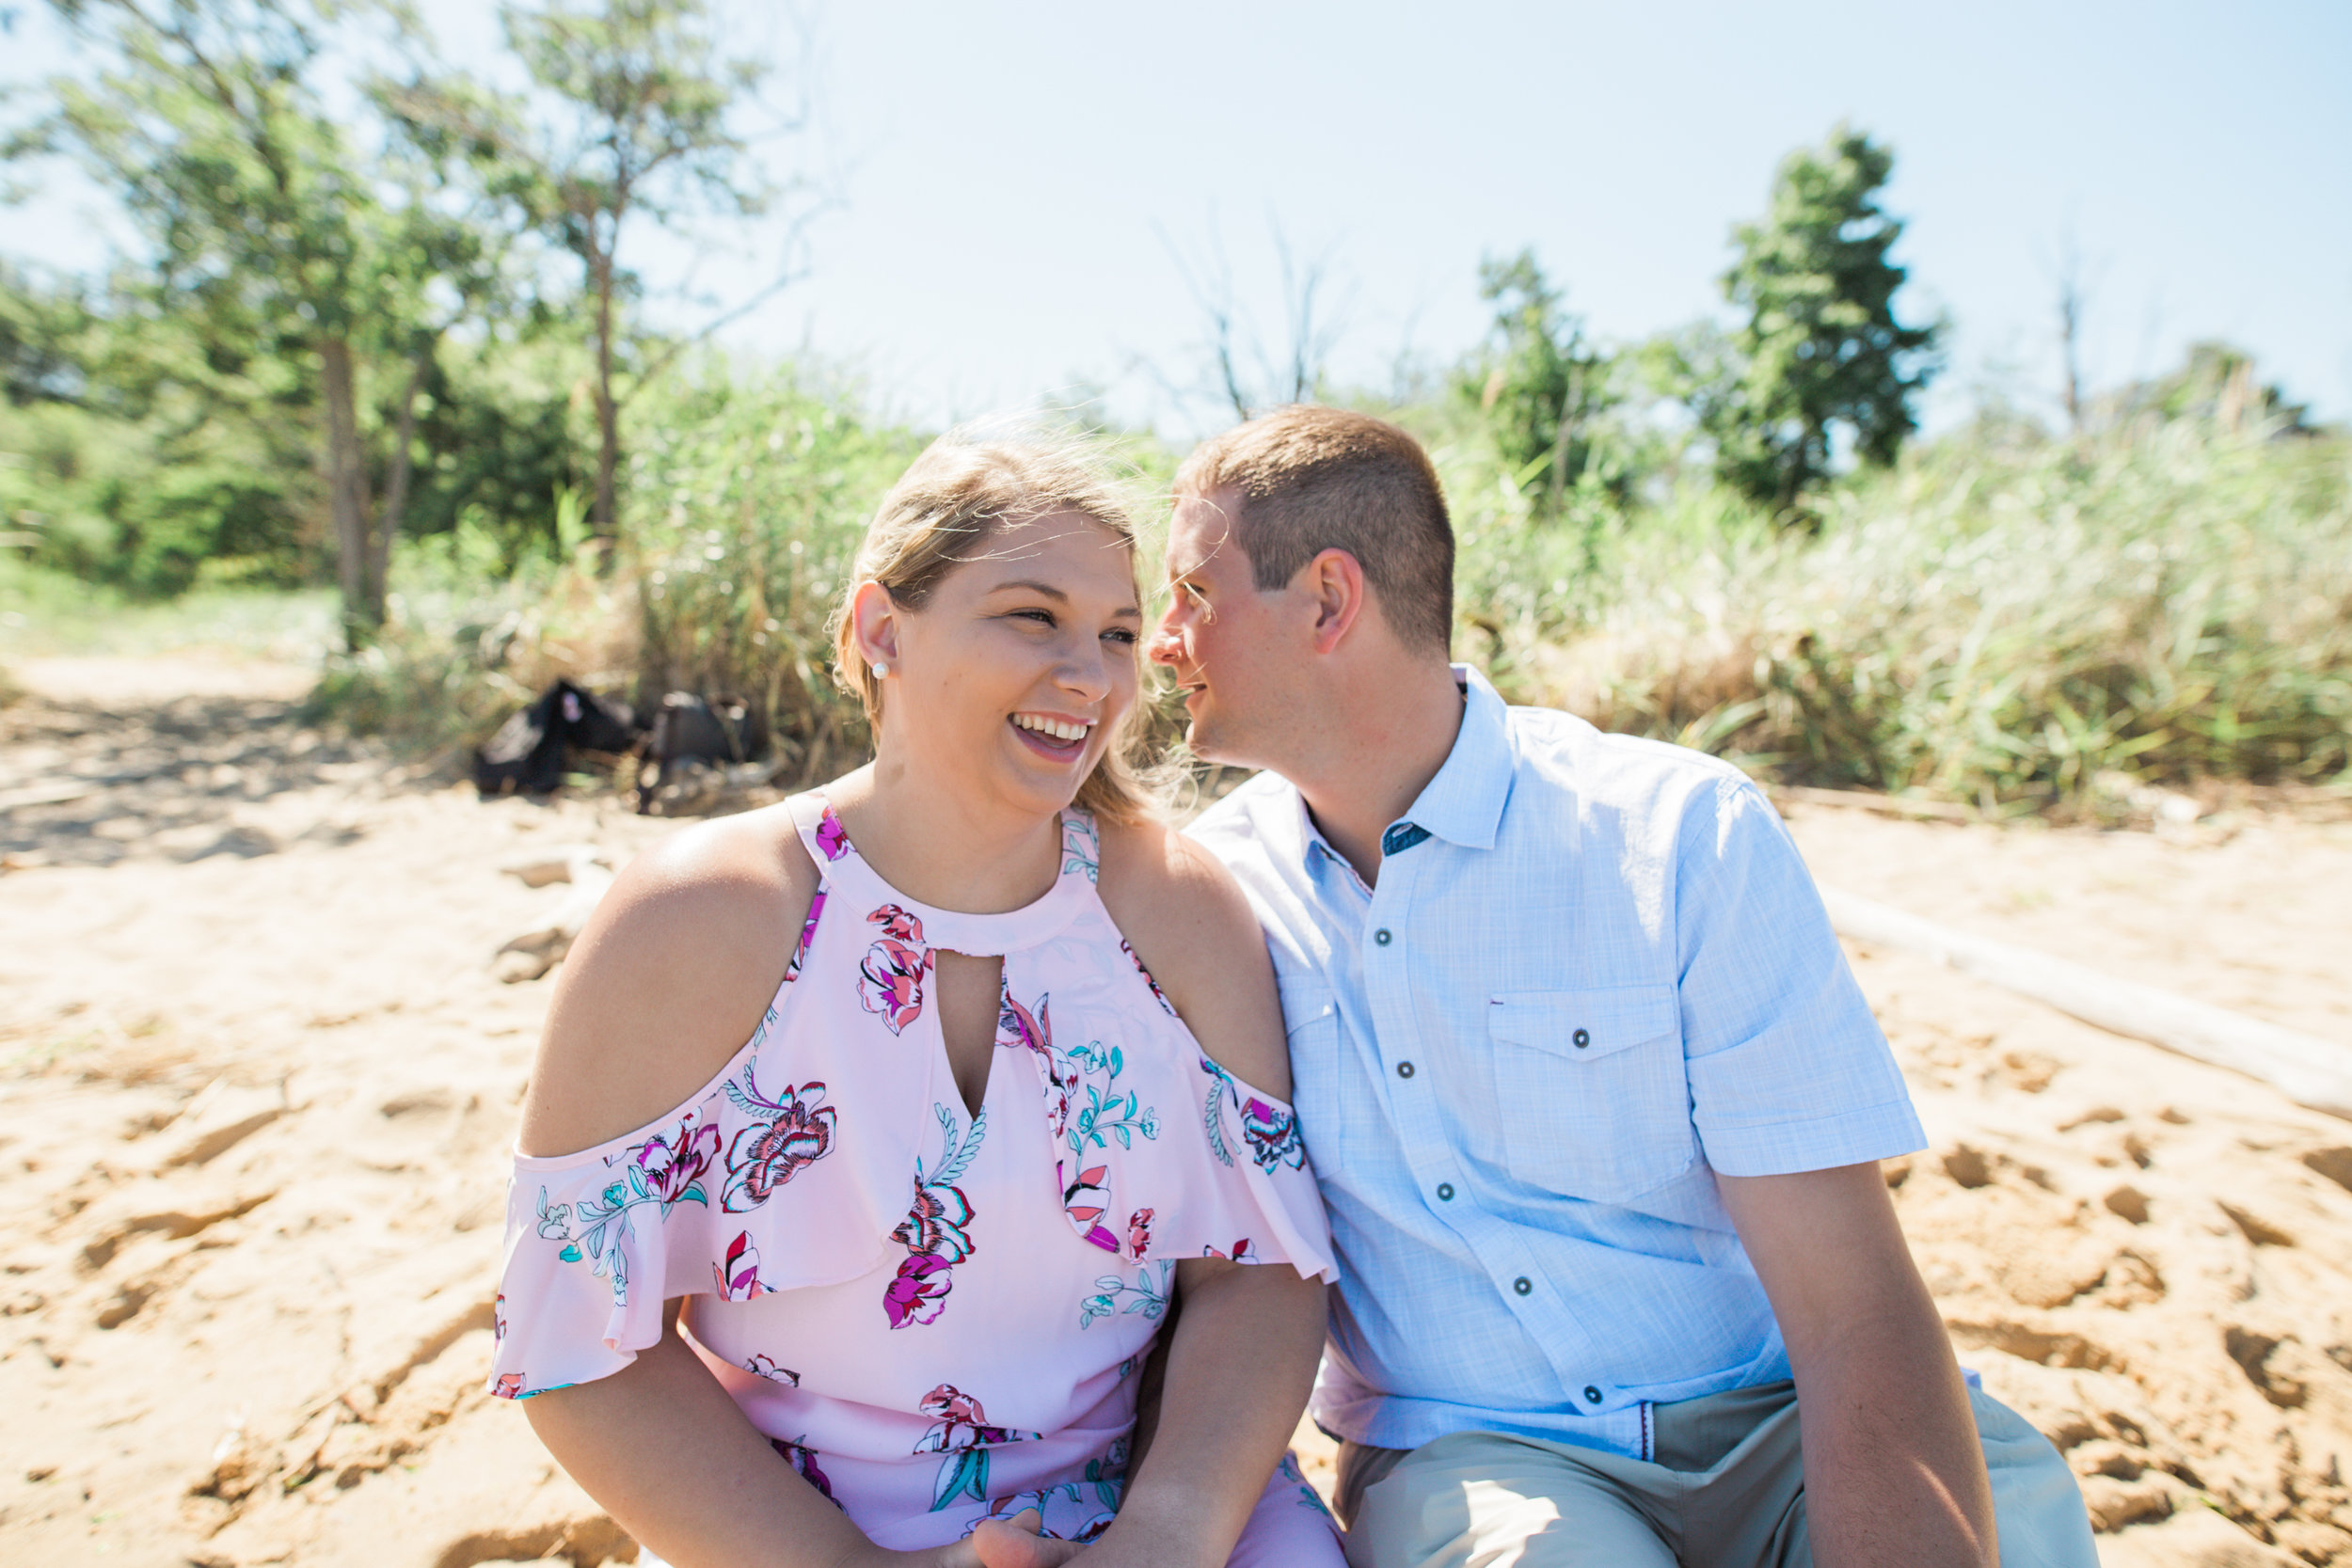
{"x": 257, "y": 1078}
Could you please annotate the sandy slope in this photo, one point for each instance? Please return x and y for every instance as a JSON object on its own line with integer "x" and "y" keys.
{"x": 256, "y": 1078}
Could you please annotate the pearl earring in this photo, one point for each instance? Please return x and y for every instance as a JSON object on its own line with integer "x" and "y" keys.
{"x": 881, "y": 670}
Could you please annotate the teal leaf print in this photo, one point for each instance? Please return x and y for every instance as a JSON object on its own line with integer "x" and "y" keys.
{"x": 1146, "y": 1297}
{"x": 963, "y": 1475}
{"x": 569, "y": 1255}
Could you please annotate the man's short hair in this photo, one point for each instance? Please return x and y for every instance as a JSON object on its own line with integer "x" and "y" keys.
{"x": 1313, "y": 478}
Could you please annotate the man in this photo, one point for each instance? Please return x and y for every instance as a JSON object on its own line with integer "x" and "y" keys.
{"x": 1595, "y": 1105}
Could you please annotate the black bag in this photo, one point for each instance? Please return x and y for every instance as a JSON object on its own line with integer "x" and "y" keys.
{"x": 527, "y": 755}
{"x": 723, "y": 729}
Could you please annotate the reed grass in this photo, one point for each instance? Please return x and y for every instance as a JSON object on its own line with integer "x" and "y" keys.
{"x": 2002, "y": 620}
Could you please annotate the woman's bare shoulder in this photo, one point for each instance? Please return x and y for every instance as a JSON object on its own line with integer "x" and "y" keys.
{"x": 1189, "y": 923}
{"x": 669, "y": 979}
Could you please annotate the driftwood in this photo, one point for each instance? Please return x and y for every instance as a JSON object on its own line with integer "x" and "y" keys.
{"x": 2312, "y": 1072}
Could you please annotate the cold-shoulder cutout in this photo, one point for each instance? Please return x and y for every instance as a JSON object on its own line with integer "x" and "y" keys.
{"x": 821, "y": 1180}
{"x": 672, "y": 975}
{"x": 1193, "y": 933}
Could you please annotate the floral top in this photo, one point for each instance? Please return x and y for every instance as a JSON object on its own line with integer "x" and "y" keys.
{"x": 936, "y": 1317}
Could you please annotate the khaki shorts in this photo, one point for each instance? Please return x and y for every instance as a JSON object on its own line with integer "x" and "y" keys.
{"x": 1726, "y": 1491}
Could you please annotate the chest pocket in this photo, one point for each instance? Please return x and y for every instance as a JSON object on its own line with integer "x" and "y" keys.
{"x": 1310, "y": 1022}
{"x": 1593, "y": 1101}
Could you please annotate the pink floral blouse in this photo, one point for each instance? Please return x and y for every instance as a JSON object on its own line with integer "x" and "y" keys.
{"x": 936, "y": 1317}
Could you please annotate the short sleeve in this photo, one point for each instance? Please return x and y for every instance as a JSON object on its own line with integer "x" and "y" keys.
{"x": 754, "y": 1186}
{"x": 1788, "y": 1070}
{"x": 1260, "y": 1190}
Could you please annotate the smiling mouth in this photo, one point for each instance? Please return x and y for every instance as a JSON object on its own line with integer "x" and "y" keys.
{"x": 1061, "y": 739}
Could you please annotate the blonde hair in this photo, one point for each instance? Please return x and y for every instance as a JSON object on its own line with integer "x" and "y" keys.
{"x": 943, "y": 513}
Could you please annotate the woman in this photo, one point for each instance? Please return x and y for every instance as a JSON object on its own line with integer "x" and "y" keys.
{"x": 872, "y": 1133}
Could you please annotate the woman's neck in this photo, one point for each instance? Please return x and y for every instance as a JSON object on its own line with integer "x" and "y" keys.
{"x": 942, "y": 844}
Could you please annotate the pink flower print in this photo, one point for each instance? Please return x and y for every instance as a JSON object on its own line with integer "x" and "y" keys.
{"x": 803, "y": 1462}
{"x": 919, "y": 1294}
{"x": 739, "y": 1273}
{"x": 761, "y": 1365}
{"x": 832, "y": 837}
{"x": 962, "y": 1434}
{"x": 1085, "y": 1200}
{"x": 1157, "y": 995}
{"x": 1016, "y": 1025}
{"x": 1272, "y": 1133}
{"x": 670, "y": 1169}
{"x": 767, "y": 1153}
{"x": 896, "y": 922}
{"x": 961, "y": 1423}
{"x": 1241, "y": 1253}
{"x": 808, "y": 935}
{"x": 890, "y": 982}
{"x": 508, "y": 1386}
{"x": 937, "y": 1224}
{"x": 497, "y": 1319}
{"x": 1139, "y": 1233}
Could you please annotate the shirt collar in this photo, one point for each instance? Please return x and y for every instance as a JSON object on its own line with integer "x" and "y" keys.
{"x": 1463, "y": 804}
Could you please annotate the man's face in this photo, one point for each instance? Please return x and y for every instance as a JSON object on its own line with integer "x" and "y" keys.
{"x": 1229, "y": 645}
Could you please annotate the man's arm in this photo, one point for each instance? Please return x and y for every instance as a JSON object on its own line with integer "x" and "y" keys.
{"x": 1894, "y": 1474}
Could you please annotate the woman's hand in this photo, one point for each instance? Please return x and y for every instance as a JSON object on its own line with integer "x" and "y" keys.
{"x": 1014, "y": 1542}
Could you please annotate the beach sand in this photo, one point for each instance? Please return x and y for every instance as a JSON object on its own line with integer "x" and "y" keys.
{"x": 258, "y": 1080}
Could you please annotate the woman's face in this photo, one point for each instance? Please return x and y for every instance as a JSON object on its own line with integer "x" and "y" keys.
{"x": 1012, "y": 677}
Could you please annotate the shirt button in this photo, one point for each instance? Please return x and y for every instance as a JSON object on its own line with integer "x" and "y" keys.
{"x": 1522, "y": 1284}
{"x": 1445, "y": 1192}
{"x": 1403, "y": 1070}
{"x": 1592, "y": 1395}
{"x": 1582, "y": 1038}
{"x": 1381, "y": 936}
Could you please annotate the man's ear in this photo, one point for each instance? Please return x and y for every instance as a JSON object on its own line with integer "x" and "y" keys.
{"x": 874, "y": 623}
{"x": 1334, "y": 582}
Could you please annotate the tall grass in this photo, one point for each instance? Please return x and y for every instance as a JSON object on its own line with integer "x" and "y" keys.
{"x": 2002, "y": 620}
{"x": 747, "y": 504}
{"x": 1998, "y": 621}
{"x": 744, "y": 501}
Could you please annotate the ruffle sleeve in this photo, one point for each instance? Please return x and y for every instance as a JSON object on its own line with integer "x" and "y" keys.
{"x": 1255, "y": 1136}
{"x": 756, "y": 1184}
{"x": 1161, "y": 1152}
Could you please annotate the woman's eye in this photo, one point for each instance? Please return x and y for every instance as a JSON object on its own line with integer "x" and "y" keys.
{"x": 1121, "y": 635}
{"x": 1042, "y": 617}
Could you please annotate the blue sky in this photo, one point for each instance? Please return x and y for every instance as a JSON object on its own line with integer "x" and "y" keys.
{"x": 1013, "y": 186}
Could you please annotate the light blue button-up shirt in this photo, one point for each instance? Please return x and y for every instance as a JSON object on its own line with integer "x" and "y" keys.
{"x": 1592, "y": 974}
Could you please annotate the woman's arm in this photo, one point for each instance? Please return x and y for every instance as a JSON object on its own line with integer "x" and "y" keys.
{"x": 1241, "y": 1357}
{"x": 672, "y": 974}
{"x": 666, "y": 1451}
{"x": 1238, "y": 1374}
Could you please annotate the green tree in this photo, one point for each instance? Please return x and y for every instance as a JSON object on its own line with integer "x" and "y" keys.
{"x": 1539, "y": 382}
{"x": 631, "y": 117}
{"x": 1820, "y": 346}
{"x": 270, "y": 230}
